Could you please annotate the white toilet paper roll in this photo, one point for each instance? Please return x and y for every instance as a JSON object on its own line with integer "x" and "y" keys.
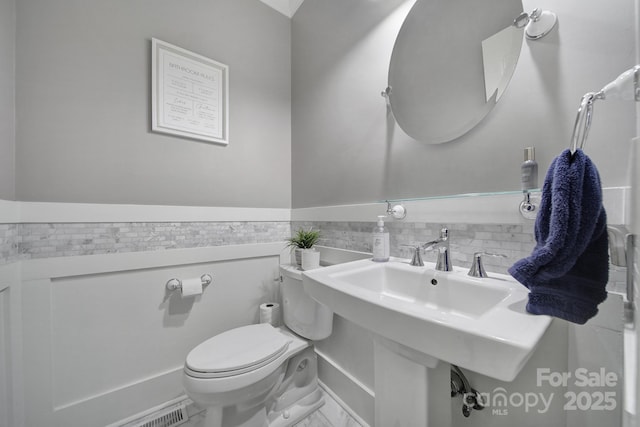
{"x": 270, "y": 313}
{"x": 191, "y": 287}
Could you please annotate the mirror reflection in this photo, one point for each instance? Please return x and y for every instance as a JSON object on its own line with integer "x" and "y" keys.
{"x": 437, "y": 70}
{"x": 500, "y": 54}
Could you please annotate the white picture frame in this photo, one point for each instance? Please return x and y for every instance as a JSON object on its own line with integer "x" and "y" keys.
{"x": 189, "y": 94}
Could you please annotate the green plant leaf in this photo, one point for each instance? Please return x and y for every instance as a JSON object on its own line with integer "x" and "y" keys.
{"x": 304, "y": 239}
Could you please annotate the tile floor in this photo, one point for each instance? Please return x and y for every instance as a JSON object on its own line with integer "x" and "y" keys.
{"x": 331, "y": 414}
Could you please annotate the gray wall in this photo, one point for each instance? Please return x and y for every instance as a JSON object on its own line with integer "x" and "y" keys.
{"x": 347, "y": 149}
{"x": 7, "y": 98}
{"x": 83, "y": 104}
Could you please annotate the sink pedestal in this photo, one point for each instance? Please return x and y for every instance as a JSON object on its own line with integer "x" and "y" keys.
{"x": 411, "y": 388}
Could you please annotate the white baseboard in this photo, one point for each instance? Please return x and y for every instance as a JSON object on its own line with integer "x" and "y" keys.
{"x": 356, "y": 398}
{"x": 161, "y": 387}
{"x": 343, "y": 405}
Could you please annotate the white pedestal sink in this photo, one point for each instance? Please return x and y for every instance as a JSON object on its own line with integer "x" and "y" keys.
{"x": 423, "y": 320}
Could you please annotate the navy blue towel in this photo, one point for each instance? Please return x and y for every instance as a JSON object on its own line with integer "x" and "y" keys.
{"x": 568, "y": 270}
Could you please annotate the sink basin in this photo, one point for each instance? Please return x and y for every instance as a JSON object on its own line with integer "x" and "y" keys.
{"x": 476, "y": 323}
{"x": 449, "y": 294}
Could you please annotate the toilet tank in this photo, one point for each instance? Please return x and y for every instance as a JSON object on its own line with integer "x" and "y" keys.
{"x": 302, "y": 314}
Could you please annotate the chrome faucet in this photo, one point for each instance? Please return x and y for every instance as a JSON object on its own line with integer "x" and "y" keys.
{"x": 441, "y": 244}
{"x": 416, "y": 260}
{"x": 477, "y": 266}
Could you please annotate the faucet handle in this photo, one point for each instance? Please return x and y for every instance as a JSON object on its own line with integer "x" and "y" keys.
{"x": 444, "y": 257}
{"x": 442, "y": 245}
{"x": 477, "y": 267}
{"x": 444, "y": 233}
{"x": 442, "y": 238}
{"x": 417, "y": 257}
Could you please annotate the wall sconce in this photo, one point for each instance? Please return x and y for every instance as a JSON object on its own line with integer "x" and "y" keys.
{"x": 538, "y": 24}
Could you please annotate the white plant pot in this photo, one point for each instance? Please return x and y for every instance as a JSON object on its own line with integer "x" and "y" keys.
{"x": 310, "y": 259}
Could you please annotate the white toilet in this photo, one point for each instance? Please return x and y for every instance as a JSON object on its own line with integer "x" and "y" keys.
{"x": 259, "y": 375}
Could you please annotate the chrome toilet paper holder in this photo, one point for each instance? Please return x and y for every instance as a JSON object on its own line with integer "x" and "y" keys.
{"x": 176, "y": 284}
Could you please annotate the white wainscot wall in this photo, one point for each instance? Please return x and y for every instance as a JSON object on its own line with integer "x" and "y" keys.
{"x": 10, "y": 347}
{"x": 98, "y": 339}
{"x": 103, "y": 339}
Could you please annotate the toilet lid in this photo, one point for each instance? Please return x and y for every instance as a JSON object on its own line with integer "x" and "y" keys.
{"x": 237, "y": 351}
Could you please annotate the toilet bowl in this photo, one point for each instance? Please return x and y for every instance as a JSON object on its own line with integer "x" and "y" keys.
{"x": 259, "y": 375}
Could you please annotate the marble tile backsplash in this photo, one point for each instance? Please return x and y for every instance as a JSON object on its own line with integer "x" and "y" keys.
{"x": 39, "y": 240}
{"x": 9, "y": 243}
{"x": 515, "y": 241}
{"x": 31, "y": 241}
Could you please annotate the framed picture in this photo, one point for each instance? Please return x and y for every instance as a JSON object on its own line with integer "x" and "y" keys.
{"x": 189, "y": 94}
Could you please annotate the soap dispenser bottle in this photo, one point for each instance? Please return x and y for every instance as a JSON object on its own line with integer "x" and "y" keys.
{"x": 529, "y": 170}
{"x": 380, "y": 241}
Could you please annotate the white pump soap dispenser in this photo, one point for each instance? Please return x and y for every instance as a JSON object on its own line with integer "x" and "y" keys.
{"x": 380, "y": 241}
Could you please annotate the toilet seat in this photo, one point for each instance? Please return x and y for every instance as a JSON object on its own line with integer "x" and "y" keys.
{"x": 237, "y": 351}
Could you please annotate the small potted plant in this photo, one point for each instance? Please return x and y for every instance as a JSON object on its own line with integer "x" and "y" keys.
{"x": 303, "y": 241}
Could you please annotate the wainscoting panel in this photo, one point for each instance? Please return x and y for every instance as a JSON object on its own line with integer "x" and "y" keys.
{"x": 11, "y": 402}
{"x": 5, "y": 367}
{"x": 107, "y": 342}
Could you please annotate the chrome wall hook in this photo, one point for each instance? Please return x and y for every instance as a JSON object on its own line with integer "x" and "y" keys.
{"x": 529, "y": 205}
{"x": 396, "y": 211}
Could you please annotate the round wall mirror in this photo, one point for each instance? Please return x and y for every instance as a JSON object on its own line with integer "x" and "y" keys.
{"x": 451, "y": 62}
